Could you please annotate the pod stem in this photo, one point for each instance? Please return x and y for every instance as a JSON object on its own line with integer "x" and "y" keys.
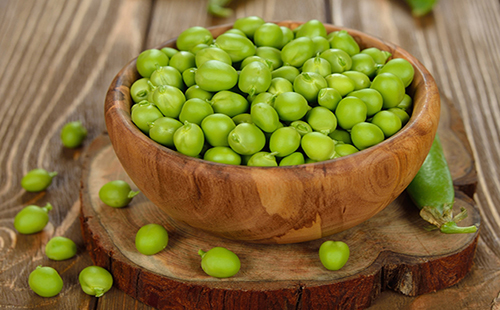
{"x": 452, "y": 228}
{"x": 52, "y": 174}
{"x": 47, "y": 207}
{"x": 201, "y": 252}
{"x": 445, "y": 221}
{"x": 132, "y": 194}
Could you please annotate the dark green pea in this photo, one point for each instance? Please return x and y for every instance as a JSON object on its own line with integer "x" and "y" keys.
{"x": 401, "y": 68}
{"x": 193, "y": 36}
{"x": 318, "y": 146}
{"x": 278, "y": 86}
{"x": 344, "y": 150}
{"x": 37, "y": 180}
{"x": 284, "y": 141}
{"x": 196, "y": 92}
{"x": 403, "y": 116}
{"x": 45, "y": 281}
{"x": 167, "y": 76}
{"x": 216, "y": 128}
{"x": 342, "y": 83}
{"x": 265, "y": 117}
{"x": 329, "y": 98}
{"x": 296, "y": 158}
{"x": 288, "y": 35}
{"x": 248, "y": 24}
{"x": 140, "y": 89}
{"x": 341, "y": 135}
{"x": 169, "y": 51}
{"x": 265, "y": 97}
{"x": 350, "y": 111}
{"x": 117, "y": 194}
{"x": 365, "y": 135}
{"x": 312, "y": 28}
{"x": 73, "y": 134}
{"x": 149, "y": 60}
{"x": 188, "y": 76}
{"x": 301, "y": 127}
{"x": 372, "y": 99}
{"x": 162, "y": 130}
{"x": 322, "y": 120}
{"x": 339, "y": 60}
{"x": 361, "y": 80}
{"x": 254, "y": 78}
{"x": 390, "y": 87}
{"x": 60, "y": 248}
{"x": 223, "y": 155}
{"x": 286, "y": 72}
{"x": 189, "y": 139}
{"x": 229, "y": 103}
{"x": 32, "y": 219}
{"x": 364, "y": 63}
{"x": 242, "y": 118}
{"x": 212, "y": 53}
{"x": 143, "y": 114}
{"x": 195, "y": 110}
{"x": 262, "y": 159}
{"x": 236, "y": 31}
{"x": 297, "y": 51}
{"x": 308, "y": 84}
{"x": 215, "y": 76}
{"x": 169, "y": 100}
{"x": 246, "y": 139}
{"x": 270, "y": 54}
{"x": 344, "y": 41}
{"x": 182, "y": 61}
{"x": 321, "y": 44}
{"x": 268, "y": 34}
{"x": 380, "y": 57}
{"x": 151, "y": 239}
{"x": 389, "y": 122}
{"x": 317, "y": 65}
{"x": 291, "y": 106}
{"x": 253, "y": 58}
{"x": 236, "y": 46}
{"x": 406, "y": 104}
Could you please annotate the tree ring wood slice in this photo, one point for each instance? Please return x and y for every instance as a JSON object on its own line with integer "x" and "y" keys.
{"x": 392, "y": 250}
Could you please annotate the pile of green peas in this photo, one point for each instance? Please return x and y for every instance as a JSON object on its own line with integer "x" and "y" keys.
{"x": 261, "y": 94}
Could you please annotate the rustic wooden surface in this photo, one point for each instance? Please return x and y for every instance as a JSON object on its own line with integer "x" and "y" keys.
{"x": 58, "y": 57}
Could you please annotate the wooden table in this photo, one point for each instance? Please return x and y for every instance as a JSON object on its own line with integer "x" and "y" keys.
{"x": 57, "y": 59}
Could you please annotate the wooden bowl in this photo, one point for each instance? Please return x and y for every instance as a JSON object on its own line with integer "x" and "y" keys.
{"x": 275, "y": 204}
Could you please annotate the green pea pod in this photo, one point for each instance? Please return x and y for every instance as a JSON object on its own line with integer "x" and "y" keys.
{"x": 421, "y": 7}
{"x": 433, "y": 193}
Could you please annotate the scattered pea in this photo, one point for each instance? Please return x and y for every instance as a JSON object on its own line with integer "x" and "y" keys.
{"x": 32, "y": 219}
{"x": 45, "y": 281}
{"x": 60, "y": 248}
{"x": 117, "y": 193}
{"x": 37, "y": 180}
{"x": 95, "y": 280}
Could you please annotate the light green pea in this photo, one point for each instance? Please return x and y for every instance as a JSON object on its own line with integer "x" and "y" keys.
{"x": 389, "y": 122}
{"x": 193, "y": 36}
{"x": 342, "y": 83}
{"x": 365, "y": 135}
{"x": 254, "y": 78}
{"x": 117, "y": 193}
{"x": 296, "y": 158}
{"x": 262, "y": 159}
{"x": 60, "y": 248}
{"x": 143, "y": 114}
{"x": 401, "y": 68}
{"x": 312, "y": 28}
{"x": 246, "y": 139}
{"x": 169, "y": 100}
{"x": 286, "y": 72}
{"x": 151, "y": 239}
{"x": 329, "y": 98}
{"x": 219, "y": 262}
{"x": 169, "y": 51}
{"x": 271, "y": 55}
{"x": 297, "y": 51}
{"x": 361, "y": 80}
{"x": 236, "y": 46}
{"x": 45, "y": 281}
{"x": 162, "y": 130}
{"x": 350, "y": 111}
{"x": 188, "y": 77}
{"x": 284, "y": 141}
{"x": 195, "y": 110}
{"x": 196, "y": 92}
{"x": 265, "y": 117}
{"x": 268, "y": 34}
{"x": 321, "y": 44}
{"x": 37, "y": 180}
{"x": 380, "y": 57}
{"x": 401, "y": 114}
{"x": 32, "y": 219}
{"x": 182, "y": 61}
{"x": 344, "y": 41}
{"x": 318, "y": 146}
{"x": 167, "y": 75}
{"x": 278, "y": 86}
{"x": 341, "y": 136}
{"x": 140, "y": 89}
{"x": 372, "y": 99}
{"x": 212, "y": 53}
{"x": 365, "y": 64}
{"x": 322, "y": 120}
{"x": 248, "y": 25}
{"x": 339, "y": 60}
{"x": 229, "y": 103}
{"x": 95, "y": 281}
{"x": 215, "y": 76}
{"x": 291, "y": 106}
{"x": 406, "y": 104}
{"x": 344, "y": 150}
{"x": 189, "y": 139}
{"x": 288, "y": 35}
{"x": 222, "y": 155}
{"x": 390, "y": 87}
{"x": 301, "y": 127}
{"x": 317, "y": 65}
{"x": 308, "y": 84}
{"x": 216, "y": 128}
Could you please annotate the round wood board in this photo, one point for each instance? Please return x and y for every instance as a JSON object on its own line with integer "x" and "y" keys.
{"x": 392, "y": 250}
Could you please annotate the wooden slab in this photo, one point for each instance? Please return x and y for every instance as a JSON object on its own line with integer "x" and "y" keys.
{"x": 390, "y": 251}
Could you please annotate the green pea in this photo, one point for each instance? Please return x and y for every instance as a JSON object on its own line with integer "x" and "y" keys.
{"x": 236, "y": 46}
{"x": 296, "y": 158}
{"x": 401, "y": 68}
{"x": 312, "y": 28}
{"x": 288, "y": 35}
{"x": 196, "y": 92}
{"x": 216, "y": 128}
{"x": 365, "y": 135}
{"x": 341, "y": 135}
{"x": 149, "y": 60}
{"x": 268, "y": 34}
{"x": 167, "y": 75}
{"x": 117, "y": 193}
{"x": 212, "y": 53}
{"x": 262, "y": 159}
{"x": 219, "y": 262}
{"x": 229, "y": 103}
{"x": 403, "y": 116}
{"x": 297, "y": 51}
{"x": 214, "y": 75}
{"x": 344, "y": 41}
{"x": 321, "y": 44}
{"x": 189, "y": 139}
{"x": 169, "y": 51}
{"x": 223, "y": 155}
{"x": 278, "y": 86}
{"x": 242, "y": 118}
{"x": 255, "y": 78}
{"x": 270, "y": 54}
{"x": 318, "y": 146}
{"x": 248, "y": 25}
{"x": 286, "y": 72}
{"x": 143, "y": 114}
{"x": 188, "y": 76}
{"x": 95, "y": 280}
{"x": 301, "y": 127}
{"x": 380, "y": 57}
{"x": 150, "y": 239}
{"x": 344, "y": 150}
{"x": 162, "y": 130}
{"x": 342, "y": 83}
{"x": 339, "y": 60}
{"x": 60, "y": 248}
{"x": 182, "y": 61}
{"x": 390, "y": 87}
{"x": 308, "y": 84}
{"x": 406, "y": 104}
{"x": 265, "y": 117}
{"x": 321, "y": 119}
{"x": 169, "y": 100}
{"x": 193, "y": 36}
{"x": 32, "y": 219}
{"x": 284, "y": 141}
{"x": 372, "y": 99}
{"x": 267, "y": 97}
{"x": 195, "y": 110}
{"x": 364, "y": 63}
{"x": 291, "y": 106}
{"x": 140, "y": 89}
{"x": 246, "y": 139}
{"x": 361, "y": 80}
{"x": 253, "y": 58}
{"x": 236, "y": 31}
{"x": 350, "y": 111}
{"x": 389, "y": 122}
{"x": 198, "y": 48}
{"x": 317, "y": 65}
{"x": 329, "y": 98}
{"x": 37, "y": 180}
{"x": 334, "y": 254}
{"x": 45, "y": 281}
